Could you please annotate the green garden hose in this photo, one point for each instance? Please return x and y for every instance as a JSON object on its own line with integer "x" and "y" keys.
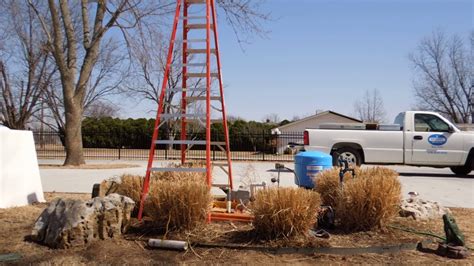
{"x": 411, "y": 230}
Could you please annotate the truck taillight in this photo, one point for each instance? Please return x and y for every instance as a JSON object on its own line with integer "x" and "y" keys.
{"x": 306, "y": 138}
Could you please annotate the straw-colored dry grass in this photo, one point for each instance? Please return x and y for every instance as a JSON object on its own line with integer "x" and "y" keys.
{"x": 369, "y": 200}
{"x": 328, "y": 186}
{"x": 179, "y": 203}
{"x": 284, "y": 212}
{"x": 131, "y": 186}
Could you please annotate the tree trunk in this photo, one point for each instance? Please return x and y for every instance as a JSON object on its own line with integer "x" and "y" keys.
{"x": 73, "y": 130}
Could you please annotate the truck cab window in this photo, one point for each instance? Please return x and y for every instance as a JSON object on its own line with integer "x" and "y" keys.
{"x": 400, "y": 120}
{"x": 430, "y": 123}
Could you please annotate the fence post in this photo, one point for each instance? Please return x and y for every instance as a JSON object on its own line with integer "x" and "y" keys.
{"x": 121, "y": 145}
{"x": 263, "y": 139}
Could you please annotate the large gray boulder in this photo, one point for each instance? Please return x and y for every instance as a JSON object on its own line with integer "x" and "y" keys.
{"x": 69, "y": 223}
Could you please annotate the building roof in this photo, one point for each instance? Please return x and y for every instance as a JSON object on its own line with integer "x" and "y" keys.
{"x": 315, "y": 116}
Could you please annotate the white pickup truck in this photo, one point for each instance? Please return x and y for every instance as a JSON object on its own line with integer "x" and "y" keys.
{"x": 416, "y": 138}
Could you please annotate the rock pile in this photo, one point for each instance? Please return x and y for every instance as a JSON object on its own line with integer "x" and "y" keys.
{"x": 70, "y": 223}
{"x": 421, "y": 209}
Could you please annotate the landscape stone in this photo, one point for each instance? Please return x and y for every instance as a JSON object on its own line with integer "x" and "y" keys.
{"x": 421, "y": 209}
{"x": 69, "y": 223}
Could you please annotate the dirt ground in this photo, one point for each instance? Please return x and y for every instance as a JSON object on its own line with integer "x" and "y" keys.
{"x": 16, "y": 225}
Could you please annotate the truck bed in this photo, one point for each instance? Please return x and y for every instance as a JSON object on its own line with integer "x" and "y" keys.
{"x": 379, "y": 146}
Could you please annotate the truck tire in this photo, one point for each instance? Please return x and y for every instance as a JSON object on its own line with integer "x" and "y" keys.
{"x": 350, "y": 154}
{"x": 461, "y": 170}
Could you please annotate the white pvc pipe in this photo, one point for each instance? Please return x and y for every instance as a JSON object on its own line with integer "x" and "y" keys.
{"x": 170, "y": 244}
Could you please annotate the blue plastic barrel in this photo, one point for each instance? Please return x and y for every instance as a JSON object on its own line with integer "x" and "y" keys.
{"x": 308, "y": 164}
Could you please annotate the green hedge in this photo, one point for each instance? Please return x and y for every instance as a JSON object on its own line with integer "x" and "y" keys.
{"x": 115, "y": 133}
{"x": 137, "y": 133}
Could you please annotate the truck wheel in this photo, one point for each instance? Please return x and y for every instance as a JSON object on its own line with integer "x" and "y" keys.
{"x": 461, "y": 170}
{"x": 346, "y": 153}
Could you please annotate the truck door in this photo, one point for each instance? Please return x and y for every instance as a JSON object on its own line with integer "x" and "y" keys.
{"x": 433, "y": 144}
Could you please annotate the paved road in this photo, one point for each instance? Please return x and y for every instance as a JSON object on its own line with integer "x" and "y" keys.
{"x": 432, "y": 184}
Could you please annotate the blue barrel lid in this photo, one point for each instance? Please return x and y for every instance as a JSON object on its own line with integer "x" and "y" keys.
{"x": 313, "y": 157}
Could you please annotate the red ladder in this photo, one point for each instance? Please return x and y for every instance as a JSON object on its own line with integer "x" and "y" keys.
{"x": 189, "y": 72}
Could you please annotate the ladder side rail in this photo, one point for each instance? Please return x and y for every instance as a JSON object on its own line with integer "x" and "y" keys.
{"x": 208, "y": 92}
{"x": 184, "y": 82}
{"x": 221, "y": 89}
{"x": 146, "y": 183}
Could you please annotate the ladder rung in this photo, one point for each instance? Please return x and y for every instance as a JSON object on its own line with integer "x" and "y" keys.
{"x": 190, "y": 65}
{"x": 221, "y": 185}
{"x": 202, "y": 98}
{"x": 169, "y": 169}
{"x": 193, "y": 17}
{"x": 194, "y": 40}
{"x": 187, "y": 142}
{"x": 201, "y": 75}
{"x": 186, "y": 89}
{"x": 198, "y": 26}
{"x": 200, "y": 51}
{"x": 167, "y": 116}
{"x": 203, "y": 121}
{"x": 196, "y": 65}
{"x": 179, "y": 142}
{"x": 190, "y": 2}
{"x": 220, "y": 164}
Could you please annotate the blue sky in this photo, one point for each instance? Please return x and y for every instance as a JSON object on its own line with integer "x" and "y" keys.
{"x": 323, "y": 54}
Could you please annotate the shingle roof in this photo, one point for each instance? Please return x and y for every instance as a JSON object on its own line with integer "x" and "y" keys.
{"x": 317, "y": 115}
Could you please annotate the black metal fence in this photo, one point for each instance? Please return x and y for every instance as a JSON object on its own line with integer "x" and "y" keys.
{"x": 255, "y": 146}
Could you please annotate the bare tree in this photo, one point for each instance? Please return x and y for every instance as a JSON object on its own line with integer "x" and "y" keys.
{"x": 106, "y": 80}
{"x": 25, "y": 66}
{"x": 149, "y": 55}
{"x": 272, "y": 118}
{"x": 100, "y": 109}
{"x": 74, "y": 33}
{"x": 245, "y": 17}
{"x": 370, "y": 108}
{"x": 443, "y": 83}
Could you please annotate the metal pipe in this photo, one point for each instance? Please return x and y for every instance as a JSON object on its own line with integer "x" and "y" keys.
{"x": 168, "y": 244}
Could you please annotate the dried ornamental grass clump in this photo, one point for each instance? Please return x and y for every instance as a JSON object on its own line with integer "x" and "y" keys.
{"x": 284, "y": 212}
{"x": 328, "y": 185}
{"x": 370, "y": 200}
{"x": 178, "y": 203}
{"x": 131, "y": 186}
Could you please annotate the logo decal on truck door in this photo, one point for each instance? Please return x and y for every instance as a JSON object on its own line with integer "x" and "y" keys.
{"x": 437, "y": 140}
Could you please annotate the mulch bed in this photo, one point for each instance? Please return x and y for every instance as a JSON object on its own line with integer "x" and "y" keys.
{"x": 16, "y": 224}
